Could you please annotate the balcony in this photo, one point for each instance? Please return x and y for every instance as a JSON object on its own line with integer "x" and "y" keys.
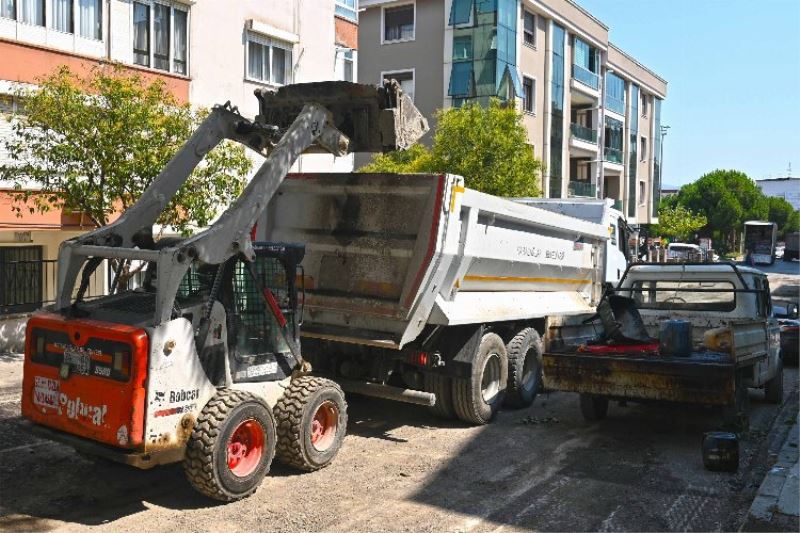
{"x": 585, "y": 76}
{"x": 613, "y": 155}
{"x": 582, "y": 189}
{"x": 615, "y": 104}
{"x": 583, "y": 133}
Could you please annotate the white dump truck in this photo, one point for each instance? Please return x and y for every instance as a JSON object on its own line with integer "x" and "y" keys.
{"x": 420, "y": 290}
{"x": 600, "y": 211}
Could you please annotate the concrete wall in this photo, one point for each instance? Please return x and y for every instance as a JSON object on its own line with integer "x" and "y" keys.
{"x": 533, "y": 63}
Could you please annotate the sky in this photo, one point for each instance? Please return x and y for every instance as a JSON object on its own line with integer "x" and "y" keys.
{"x": 733, "y": 73}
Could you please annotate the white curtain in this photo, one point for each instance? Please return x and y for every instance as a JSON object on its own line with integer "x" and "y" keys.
{"x": 90, "y": 19}
{"x": 181, "y": 34}
{"x": 161, "y": 36}
{"x": 32, "y": 12}
{"x": 255, "y": 68}
{"x": 61, "y": 15}
{"x": 141, "y": 34}
{"x": 7, "y": 9}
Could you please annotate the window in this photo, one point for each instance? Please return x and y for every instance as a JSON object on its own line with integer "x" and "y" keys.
{"x": 529, "y": 28}
{"x": 269, "y": 60}
{"x": 60, "y": 15}
{"x": 161, "y": 27}
{"x": 642, "y": 192}
{"x": 404, "y": 78}
{"x": 398, "y": 23}
{"x": 160, "y": 36}
{"x": 529, "y": 93}
{"x": 347, "y": 9}
{"x": 643, "y": 148}
{"x": 8, "y": 9}
{"x": 31, "y": 12}
{"x": 141, "y": 34}
{"x": 644, "y": 104}
{"x": 462, "y": 48}
{"x": 348, "y": 66}
{"x": 90, "y": 13}
{"x": 181, "y": 34}
{"x": 669, "y": 295}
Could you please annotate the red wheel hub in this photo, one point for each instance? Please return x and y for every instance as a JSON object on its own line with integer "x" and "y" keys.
{"x": 245, "y": 447}
{"x": 324, "y": 426}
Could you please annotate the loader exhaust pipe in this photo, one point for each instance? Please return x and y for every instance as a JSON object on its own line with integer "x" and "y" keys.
{"x": 387, "y": 392}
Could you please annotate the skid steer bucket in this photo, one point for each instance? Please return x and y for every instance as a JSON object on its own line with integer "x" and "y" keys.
{"x": 375, "y": 118}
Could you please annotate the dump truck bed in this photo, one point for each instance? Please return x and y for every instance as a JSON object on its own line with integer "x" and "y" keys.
{"x": 387, "y": 254}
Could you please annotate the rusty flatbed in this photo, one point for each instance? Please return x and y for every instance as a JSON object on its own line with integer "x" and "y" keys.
{"x": 703, "y": 378}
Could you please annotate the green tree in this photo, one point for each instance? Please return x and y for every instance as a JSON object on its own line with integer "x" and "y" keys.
{"x": 679, "y": 222}
{"x": 727, "y": 198}
{"x": 488, "y": 146}
{"x": 93, "y": 144}
{"x": 781, "y": 212}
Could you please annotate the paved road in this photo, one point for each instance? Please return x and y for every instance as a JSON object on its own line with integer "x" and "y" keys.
{"x": 400, "y": 469}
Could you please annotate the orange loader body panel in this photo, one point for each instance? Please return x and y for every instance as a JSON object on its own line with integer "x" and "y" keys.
{"x": 86, "y": 378}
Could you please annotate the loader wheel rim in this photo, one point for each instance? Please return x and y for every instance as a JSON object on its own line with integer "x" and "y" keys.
{"x": 490, "y": 381}
{"x": 245, "y": 448}
{"x": 324, "y": 426}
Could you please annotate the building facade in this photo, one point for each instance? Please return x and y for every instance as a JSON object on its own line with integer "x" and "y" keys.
{"x": 592, "y": 112}
{"x": 206, "y": 53}
{"x": 787, "y": 188}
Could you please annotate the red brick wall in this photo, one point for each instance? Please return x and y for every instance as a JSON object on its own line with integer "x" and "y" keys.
{"x": 346, "y": 33}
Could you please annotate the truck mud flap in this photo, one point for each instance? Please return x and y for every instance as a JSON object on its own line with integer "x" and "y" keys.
{"x": 671, "y": 379}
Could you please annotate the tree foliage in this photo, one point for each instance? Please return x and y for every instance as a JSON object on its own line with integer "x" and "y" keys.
{"x": 93, "y": 144}
{"x": 679, "y": 222}
{"x": 488, "y": 146}
{"x": 727, "y": 198}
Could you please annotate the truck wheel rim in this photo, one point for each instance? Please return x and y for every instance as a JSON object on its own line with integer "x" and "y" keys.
{"x": 529, "y": 372}
{"x": 324, "y": 426}
{"x": 490, "y": 382}
{"x": 245, "y": 448}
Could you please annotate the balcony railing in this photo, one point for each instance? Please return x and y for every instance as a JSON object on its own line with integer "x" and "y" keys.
{"x": 613, "y": 155}
{"x": 615, "y": 104}
{"x": 582, "y": 189}
{"x": 583, "y": 133}
{"x": 585, "y": 76}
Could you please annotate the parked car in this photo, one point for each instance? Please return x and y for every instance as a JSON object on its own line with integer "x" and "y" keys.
{"x": 787, "y": 316}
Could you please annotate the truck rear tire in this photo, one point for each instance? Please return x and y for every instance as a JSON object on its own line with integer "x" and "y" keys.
{"x": 593, "y": 407}
{"x": 524, "y": 368}
{"x": 773, "y": 389}
{"x": 442, "y": 387}
{"x": 231, "y": 446}
{"x": 736, "y": 416}
{"x": 312, "y": 423}
{"x": 478, "y": 398}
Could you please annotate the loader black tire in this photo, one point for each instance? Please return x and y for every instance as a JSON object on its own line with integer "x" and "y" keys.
{"x": 593, "y": 407}
{"x": 524, "y": 368}
{"x": 206, "y": 462}
{"x": 312, "y": 423}
{"x": 773, "y": 389}
{"x": 478, "y": 398}
{"x": 442, "y": 387}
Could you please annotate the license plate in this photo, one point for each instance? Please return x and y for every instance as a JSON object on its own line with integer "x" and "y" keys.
{"x": 80, "y": 361}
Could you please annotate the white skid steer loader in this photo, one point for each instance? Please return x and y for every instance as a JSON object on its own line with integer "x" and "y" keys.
{"x": 202, "y": 362}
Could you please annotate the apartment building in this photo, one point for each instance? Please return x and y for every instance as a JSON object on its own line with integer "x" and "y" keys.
{"x": 592, "y": 111}
{"x": 206, "y": 53}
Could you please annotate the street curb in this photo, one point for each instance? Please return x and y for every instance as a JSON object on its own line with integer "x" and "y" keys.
{"x": 778, "y": 493}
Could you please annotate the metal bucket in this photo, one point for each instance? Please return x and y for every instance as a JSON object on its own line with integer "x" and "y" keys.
{"x": 721, "y": 451}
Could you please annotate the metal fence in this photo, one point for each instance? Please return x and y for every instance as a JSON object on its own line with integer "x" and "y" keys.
{"x": 27, "y": 285}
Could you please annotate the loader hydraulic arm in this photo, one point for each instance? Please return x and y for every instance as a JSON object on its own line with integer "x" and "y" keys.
{"x": 291, "y": 122}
